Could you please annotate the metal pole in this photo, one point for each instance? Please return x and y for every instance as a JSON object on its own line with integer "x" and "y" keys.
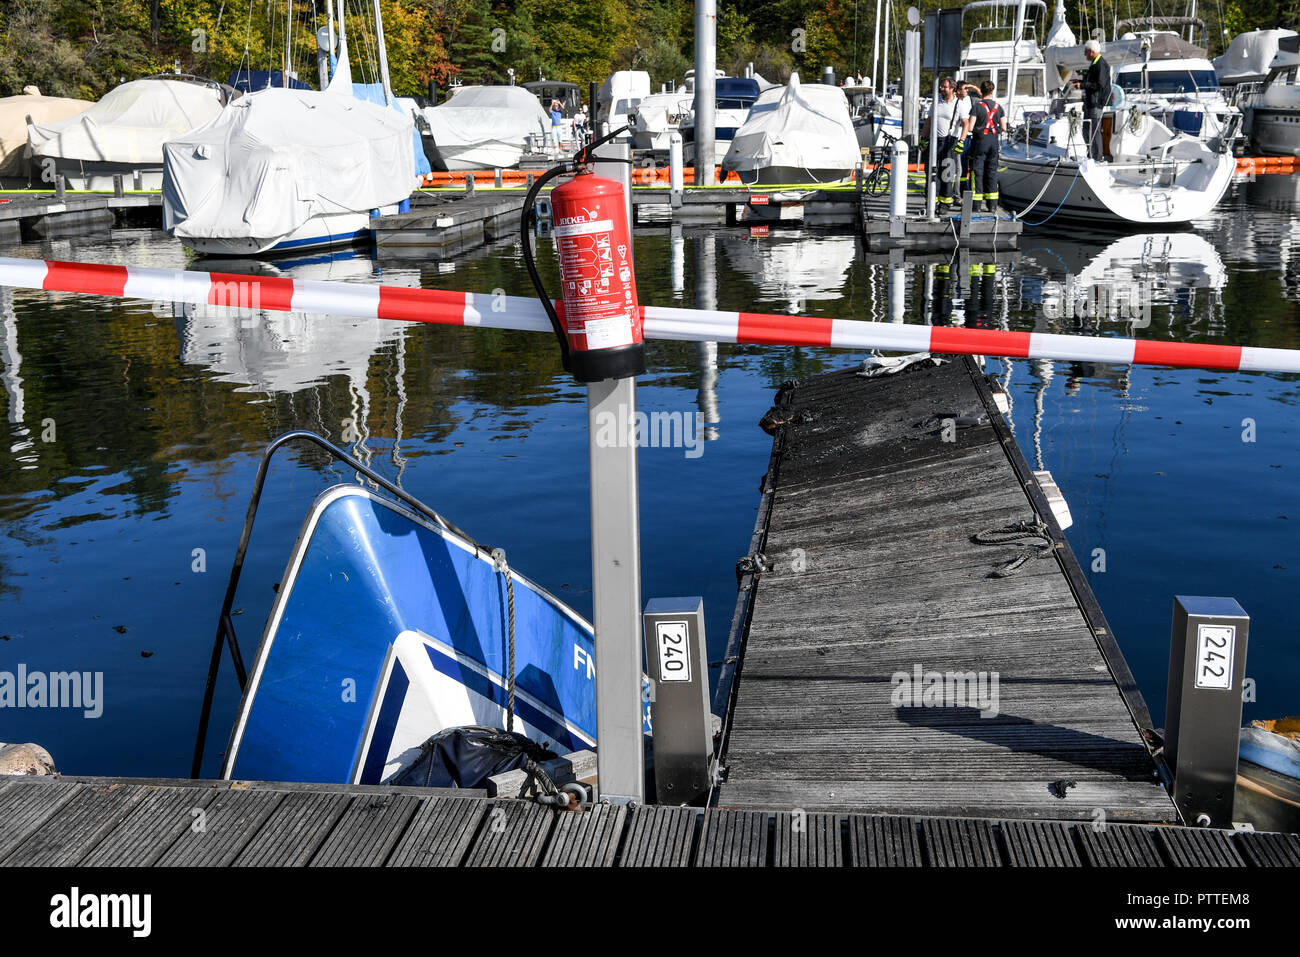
{"x": 1015, "y": 58}
{"x": 383, "y": 56}
{"x": 616, "y": 568}
{"x": 875, "y": 52}
{"x": 931, "y": 172}
{"x": 884, "y": 71}
{"x": 706, "y": 22}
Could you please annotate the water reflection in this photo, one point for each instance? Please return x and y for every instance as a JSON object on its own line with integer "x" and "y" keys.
{"x": 159, "y": 420}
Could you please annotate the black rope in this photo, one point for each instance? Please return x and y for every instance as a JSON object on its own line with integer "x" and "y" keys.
{"x": 1033, "y": 537}
{"x": 499, "y": 561}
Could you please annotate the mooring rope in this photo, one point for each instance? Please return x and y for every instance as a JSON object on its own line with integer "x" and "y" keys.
{"x": 499, "y": 562}
{"x": 1033, "y": 537}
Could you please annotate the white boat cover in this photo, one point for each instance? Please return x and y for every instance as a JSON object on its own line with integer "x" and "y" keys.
{"x": 274, "y": 159}
{"x": 796, "y": 126}
{"x": 1249, "y": 56}
{"x": 630, "y": 86}
{"x": 486, "y": 114}
{"x": 14, "y": 111}
{"x": 131, "y": 123}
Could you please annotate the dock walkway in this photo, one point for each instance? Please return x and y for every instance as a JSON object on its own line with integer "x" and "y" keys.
{"x": 867, "y": 526}
{"x": 140, "y": 823}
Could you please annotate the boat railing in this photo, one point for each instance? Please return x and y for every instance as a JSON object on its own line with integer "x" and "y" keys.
{"x": 225, "y": 635}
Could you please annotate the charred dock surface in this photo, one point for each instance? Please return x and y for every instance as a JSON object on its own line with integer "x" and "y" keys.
{"x": 869, "y": 587}
{"x": 132, "y": 822}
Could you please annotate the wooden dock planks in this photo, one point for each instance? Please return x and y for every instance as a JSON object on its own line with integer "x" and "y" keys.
{"x": 872, "y": 573}
{"x": 123, "y": 822}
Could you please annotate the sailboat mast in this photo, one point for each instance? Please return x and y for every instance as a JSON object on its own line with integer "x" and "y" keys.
{"x": 383, "y": 55}
{"x": 884, "y": 73}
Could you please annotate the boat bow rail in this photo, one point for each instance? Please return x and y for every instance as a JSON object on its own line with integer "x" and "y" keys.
{"x": 225, "y": 634}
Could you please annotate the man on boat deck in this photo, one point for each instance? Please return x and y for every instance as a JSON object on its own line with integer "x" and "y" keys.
{"x": 949, "y": 115}
{"x": 988, "y": 121}
{"x": 1096, "y": 97}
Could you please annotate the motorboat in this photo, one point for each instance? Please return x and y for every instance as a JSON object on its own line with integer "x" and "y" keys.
{"x": 1249, "y": 57}
{"x": 656, "y": 117}
{"x": 1157, "y": 176}
{"x": 483, "y": 127}
{"x": 283, "y": 170}
{"x": 1273, "y": 113}
{"x": 30, "y": 107}
{"x": 796, "y": 134}
{"x": 569, "y": 96}
{"x": 619, "y": 96}
{"x": 416, "y": 630}
{"x": 123, "y": 134}
{"x": 733, "y": 98}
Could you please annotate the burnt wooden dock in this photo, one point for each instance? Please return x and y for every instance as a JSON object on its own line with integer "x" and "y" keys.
{"x": 123, "y": 822}
{"x": 863, "y": 568}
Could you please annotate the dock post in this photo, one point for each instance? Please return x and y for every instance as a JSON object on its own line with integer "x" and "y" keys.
{"x": 469, "y": 184}
{"x": 898, "y": 190}
{"x": 706, "y": 24}
{"x": 496, "y": 177}
{"x": 616, "y": 566}
{"x": 60, "y": 186}
{"x": 137, "y": 181}
{"x": 679, "y": 698}
{"x": 675, "y": 175}
{"x": 1207, "y": 665}
{"x": 117, "y": 185}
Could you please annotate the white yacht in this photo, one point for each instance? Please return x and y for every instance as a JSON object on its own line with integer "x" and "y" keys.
{"x": 656, "y": 117}
{"x": 733, "y": 98}
{"x": 1157, "y": 176}
{"x": 995, "y": 50}
{"x": 1273, "y": 113}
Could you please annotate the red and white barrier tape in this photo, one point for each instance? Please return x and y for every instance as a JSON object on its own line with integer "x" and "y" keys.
{"x": 661, "y": 322}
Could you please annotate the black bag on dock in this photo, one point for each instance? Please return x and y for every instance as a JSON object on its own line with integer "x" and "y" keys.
{"x": 466, "y": 757}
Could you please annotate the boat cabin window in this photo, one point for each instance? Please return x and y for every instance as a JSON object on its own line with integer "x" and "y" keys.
{"x": 1171, "y": 81}
{"x": 978, "y": 76}
{"x": 1029, "y": 83}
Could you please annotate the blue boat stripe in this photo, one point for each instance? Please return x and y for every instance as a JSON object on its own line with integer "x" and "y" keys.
{"x": 385, "y": 724}
{"x": 487, "y": 688}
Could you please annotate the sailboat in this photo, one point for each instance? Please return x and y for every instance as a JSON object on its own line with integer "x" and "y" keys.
{"x": 289, "y": 169}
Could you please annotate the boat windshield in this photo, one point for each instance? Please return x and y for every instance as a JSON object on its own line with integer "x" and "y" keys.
{"x": 1171, "y": 81}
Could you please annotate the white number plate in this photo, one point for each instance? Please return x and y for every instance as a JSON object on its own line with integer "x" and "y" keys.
{"x": 674, "y": 650}
{"x": 1214, "y": 648}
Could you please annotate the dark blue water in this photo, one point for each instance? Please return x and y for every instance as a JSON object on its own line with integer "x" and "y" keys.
{"x": 119, "y": 532}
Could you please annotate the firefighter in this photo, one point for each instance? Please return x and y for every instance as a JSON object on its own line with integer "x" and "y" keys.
{"x": 987, "y": 122}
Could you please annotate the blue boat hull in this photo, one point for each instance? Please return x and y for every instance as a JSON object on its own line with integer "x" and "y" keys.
{"x": 387, "y": 628}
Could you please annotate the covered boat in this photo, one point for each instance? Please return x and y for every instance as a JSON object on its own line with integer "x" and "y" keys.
{"x": 1273, "y": 113}
{"x": 796, "y": 134}
{"x": 123, "y": 134}
{"x": 656, "y": 117}
{"x": 483, "y": 127}
{"x": 733, "y": 97}
{"x": 29, "y": 107}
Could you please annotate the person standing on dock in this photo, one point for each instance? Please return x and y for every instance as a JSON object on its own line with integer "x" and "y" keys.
{"x": 988, "y": 121}
{"x": 949, "y": 116}
{"x": 557, "y": 120}
{"x": 1096, "y": 97}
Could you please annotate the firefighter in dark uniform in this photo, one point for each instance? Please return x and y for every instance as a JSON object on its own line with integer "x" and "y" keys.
{"x": 1096, "y": 97}
{"x": 988, "y": 121}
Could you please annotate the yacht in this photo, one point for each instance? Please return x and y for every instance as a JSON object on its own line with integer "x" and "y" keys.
{"x": 1273, "y": 113}
{"x": 734, "y": 96}
{"x": 994, "y": 51}
{"x": 483, "y": 127}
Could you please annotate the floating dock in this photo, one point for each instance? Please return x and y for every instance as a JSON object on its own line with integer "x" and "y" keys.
{"x": 863, "y": 569}
{"x": 50, "y": 821}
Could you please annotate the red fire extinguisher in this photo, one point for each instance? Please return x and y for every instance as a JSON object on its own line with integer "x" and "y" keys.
{"x": 600, "y": 315}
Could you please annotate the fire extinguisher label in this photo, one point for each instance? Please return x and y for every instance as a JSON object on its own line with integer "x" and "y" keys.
{"x": 596, "y": 305}
{"x": 607, "y": 333}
